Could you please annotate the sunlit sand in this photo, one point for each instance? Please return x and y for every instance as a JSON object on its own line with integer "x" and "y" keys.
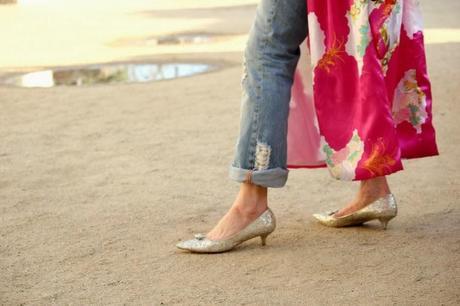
{"x": 99, "y": 182}
{"x": 51, "y": 32}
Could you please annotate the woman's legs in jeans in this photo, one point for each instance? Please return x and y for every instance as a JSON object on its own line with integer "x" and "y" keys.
{"x": 270, "y": 59}
{"x": 271, "y": 56}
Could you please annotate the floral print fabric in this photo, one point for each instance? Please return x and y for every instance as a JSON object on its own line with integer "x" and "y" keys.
{"x": 361, "y": 98}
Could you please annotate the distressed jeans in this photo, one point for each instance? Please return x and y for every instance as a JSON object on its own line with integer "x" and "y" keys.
{"x": 270, "y": 59}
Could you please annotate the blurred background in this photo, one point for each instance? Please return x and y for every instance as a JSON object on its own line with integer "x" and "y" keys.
{"x": 51, "y": 33}
{"x": 63, "y": 32}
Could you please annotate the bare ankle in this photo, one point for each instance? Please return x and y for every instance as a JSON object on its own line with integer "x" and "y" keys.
{"x": 248, "y": 212}
{"x": 251, "y": 200}
{"x": 253, "y": 190}
{"x": 374, "y": 188}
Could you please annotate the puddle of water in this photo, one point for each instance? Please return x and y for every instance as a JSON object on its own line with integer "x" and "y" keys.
{"x": 185, "y": 39}
{"x": 103, "y": 74}
{"x": 175, "y": 39}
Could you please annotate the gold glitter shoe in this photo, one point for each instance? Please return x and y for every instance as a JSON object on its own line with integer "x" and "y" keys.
{"x": 384, "y": 209}
{"x": 262, "y": 226}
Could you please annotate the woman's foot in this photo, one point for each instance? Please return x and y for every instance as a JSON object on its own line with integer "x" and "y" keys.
{"x": 249, "y": 204}
{"x": 370, "y": 190}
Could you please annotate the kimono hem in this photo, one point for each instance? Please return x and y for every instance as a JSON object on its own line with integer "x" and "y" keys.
{"x": 361, "y": 98}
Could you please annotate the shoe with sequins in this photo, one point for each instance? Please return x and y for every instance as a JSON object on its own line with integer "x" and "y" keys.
{"x": 384, "y": 209}
{"x": 262, "y": 226}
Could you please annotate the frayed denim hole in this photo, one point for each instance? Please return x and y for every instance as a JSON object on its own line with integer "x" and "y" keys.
{"x": 262, "y": 156}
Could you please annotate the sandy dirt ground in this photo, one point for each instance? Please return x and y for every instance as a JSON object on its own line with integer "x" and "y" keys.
{"x": 97, "y": 184}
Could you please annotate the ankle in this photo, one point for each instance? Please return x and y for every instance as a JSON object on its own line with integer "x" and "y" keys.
{"x": 371, "y": 190}
{"x": 251, "y": 200}
{"x": 248, "y": 213}
{"x": 374, "y": 188}
{"x": 253, "y": 190}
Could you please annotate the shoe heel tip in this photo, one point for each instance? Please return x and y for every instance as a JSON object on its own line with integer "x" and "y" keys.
{"x": 384, "y": 223}
{"x": 263, "y": 240}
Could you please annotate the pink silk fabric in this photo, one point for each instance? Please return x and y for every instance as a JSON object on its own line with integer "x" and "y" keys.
{"x": 361, "y": 98}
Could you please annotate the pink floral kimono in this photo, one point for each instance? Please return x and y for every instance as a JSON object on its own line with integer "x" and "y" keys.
{"x": 361, "y": 98}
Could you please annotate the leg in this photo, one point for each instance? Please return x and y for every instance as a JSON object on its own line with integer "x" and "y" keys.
{"x": 270, "y": 59}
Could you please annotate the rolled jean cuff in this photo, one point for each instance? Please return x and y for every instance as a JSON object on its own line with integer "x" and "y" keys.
{"x": 275, "y": 177}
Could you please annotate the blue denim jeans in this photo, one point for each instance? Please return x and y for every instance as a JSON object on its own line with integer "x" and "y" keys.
{"x": 270, "y": 59}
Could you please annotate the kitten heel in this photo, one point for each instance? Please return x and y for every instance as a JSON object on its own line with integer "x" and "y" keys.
{"x": 263, "y": 239}
{"x": 384, "y": 222}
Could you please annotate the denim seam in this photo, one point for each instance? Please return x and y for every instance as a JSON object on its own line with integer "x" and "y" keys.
{"x": 259, "y": 89}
